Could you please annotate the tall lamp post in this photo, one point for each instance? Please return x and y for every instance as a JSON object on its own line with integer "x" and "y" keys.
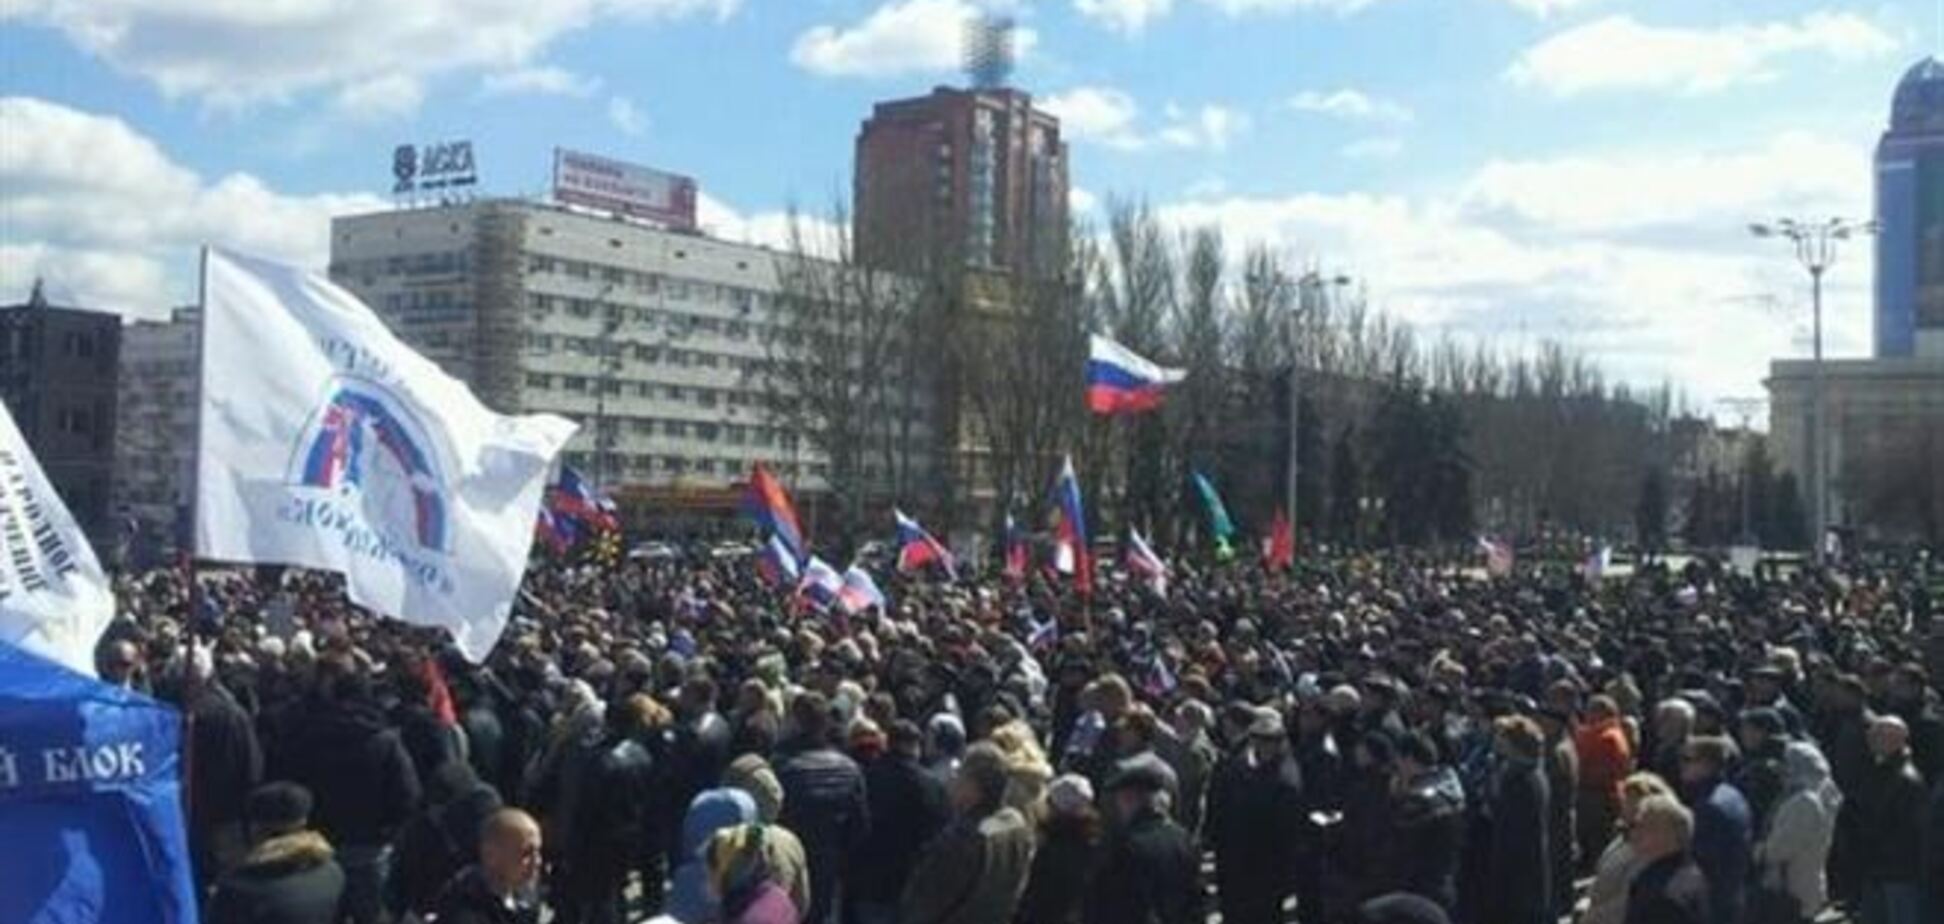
{"x": 1311, "y": 288}
{"x": 1815, "y": 244}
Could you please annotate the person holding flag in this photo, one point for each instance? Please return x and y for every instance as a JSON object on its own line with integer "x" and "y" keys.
{"x": 1120, "y": 381}
{"x": 1071, "y": 554}
{"x": 777, "y": 565}
{"x": 1016, "y": 552}
{"x": 858, "y": 592}
{"x": 1498, "y": 557}
{"x": 917, "y": 548}
{"x": 1279, "y": 547}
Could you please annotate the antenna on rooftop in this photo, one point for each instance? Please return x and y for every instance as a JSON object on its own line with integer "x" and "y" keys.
{"x": 988, "y": 53}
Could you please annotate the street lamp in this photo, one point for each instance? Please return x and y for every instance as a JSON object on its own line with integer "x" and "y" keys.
{"x": 1311, "y": 287}
{"x": 1815, "y": 245}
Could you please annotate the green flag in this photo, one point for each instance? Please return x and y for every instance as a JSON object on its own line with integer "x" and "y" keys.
{"x": 1219, "y": 523}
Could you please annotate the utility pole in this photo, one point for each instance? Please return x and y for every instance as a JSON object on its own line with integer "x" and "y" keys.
{"x": 1815, "y": 244}
{"x": 1311, "y": 289}
{"x": 1745, "y": 409}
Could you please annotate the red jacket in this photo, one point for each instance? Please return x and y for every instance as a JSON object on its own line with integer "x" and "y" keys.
{"x": 1605, "y": 756}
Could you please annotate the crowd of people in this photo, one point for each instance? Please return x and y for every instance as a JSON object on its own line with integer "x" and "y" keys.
{"x": 1375, "y": 738}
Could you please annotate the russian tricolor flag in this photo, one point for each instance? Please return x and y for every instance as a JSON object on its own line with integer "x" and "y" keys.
{"x": 917, "y": 548}
{"x": 1120, "y": 381}
{"x": 1070, "y": 552}
{"x": 1145, "y": 564}
{"x": 820, "y": 582}
{"x": 859, "y": 591}
{"x": 766, "y": 503}
{"x": 1016, "y": 551}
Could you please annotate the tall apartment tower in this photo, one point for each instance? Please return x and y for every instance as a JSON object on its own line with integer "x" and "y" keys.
{"x": 1910, "y": 217}
{"x": 974, "y": 176}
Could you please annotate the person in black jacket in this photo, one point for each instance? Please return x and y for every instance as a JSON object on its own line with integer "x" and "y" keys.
{"x": 501, "y": 888}
{"x": 364, "y": 782}
{"x": 908, "y": 807}
{"x": 1255, "y": 805}
{"x": 615, "y": 818}
{"x": 1519, "y": 869}
{"x": 823, "y": 804}
{"x": 1670, "y": 887}
{"x": 1759, "y": 777}
{"x": 1063, "y": 867}
{"x": 1150, "y": 872}
{"x": 288, "y": 876}
{"x": 443, "y": 837}
{"x": 227, "y": 768}
{"x": 1891, "y": 804}
{"x": 1427, "y": 823}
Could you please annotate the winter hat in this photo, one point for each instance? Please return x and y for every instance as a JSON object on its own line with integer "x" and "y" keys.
{"x": 1070, "y": 794}
{"x": 752, "y": 774}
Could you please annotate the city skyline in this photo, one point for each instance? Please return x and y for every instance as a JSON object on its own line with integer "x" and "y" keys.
{"x": 1501, "y": 168}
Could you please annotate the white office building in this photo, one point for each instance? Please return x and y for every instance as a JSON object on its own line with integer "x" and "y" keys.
{"x": 517, "y": 298}
{"x": 155, "y": 432}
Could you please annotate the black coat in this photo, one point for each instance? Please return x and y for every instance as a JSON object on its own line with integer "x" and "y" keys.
{"x": 1519, "y": 871}
{"x": 289, "y": 879}
{"x": 1427, "y": 837}
{"x": 1150, "y": 874}
{"x": 1761, "y": 780}
{"x": 466, "y": 900}
{"x": 357, "y": 770}
{"x": 825, "y": 806}
{"x": 1671, "y": 890}
{"x": 443, "y": 838}
{"x": 1891, "y": 806}
{"x": 1063, "y": 870}
{"x": 1252, "y": 824}
{"x": 908, "y": 807}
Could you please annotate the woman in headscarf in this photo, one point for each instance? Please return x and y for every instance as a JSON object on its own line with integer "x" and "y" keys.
{"x": 1793, "y": 854}
{"x": 748, "y": 890}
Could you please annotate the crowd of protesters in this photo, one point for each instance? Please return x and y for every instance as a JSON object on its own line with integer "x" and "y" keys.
{"x": 1364, "y": 739}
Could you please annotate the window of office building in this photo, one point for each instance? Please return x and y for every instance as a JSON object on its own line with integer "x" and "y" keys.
{"x": 539, "y": 380}
{"x": 580, "y": 307}
{"x": 675, "y": 428}
{"x": 576, "y": 269}
{"x": 707, "y": 432}
{"x": 574, "y": 383}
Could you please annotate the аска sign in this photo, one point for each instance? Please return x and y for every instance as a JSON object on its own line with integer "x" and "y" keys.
{"x": 444, "y": 165}
{"x": 624, "y": 188}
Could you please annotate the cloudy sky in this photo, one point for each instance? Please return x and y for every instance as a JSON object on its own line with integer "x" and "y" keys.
{"x": 1509, "y": 169}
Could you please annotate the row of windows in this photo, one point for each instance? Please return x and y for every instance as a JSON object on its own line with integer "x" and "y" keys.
{"x": 438, "y": 263}
{"x": 588, "y": 385}
{"x": 546, "y": 344}
{"x": 727, "y": 466}
{"x": 541, "y": 306}
{"x": 708, "y": 293}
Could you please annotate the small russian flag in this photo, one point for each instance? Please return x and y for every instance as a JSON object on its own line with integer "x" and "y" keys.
{"x": 859, "y": 591}
{"x": 1142, "y": 561}
{"x": 917, "y": 548}
{"x": 820, "y": 582}
{"x": 1070, "y": 552}
{"x": 1120, "y": 381}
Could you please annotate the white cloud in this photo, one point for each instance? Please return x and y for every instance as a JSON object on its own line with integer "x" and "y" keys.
{"x": 1128, "y": 16}
{"x": 908, "y": 37}
{"x": 1638, "y": 259}
{"x": 1620, "y": 53}
{"x": 393, "y": 96}
{"x": 545, "y": 80}
{"x": 1081, "y": 202}
{"x": 1110, "y": 117}
{"x": 1101, "y": 114}
{"x": 1381, "y": 147}
{"x": 233, "y": 53}
{"x": 1210, "y": 127}
{"x": 775, "y": 229}
{"x": 99, "y": 210}
{"x": 1545, "y": 8}
{"x": 625, "y": 116}
{"x": 1351, "y": 105}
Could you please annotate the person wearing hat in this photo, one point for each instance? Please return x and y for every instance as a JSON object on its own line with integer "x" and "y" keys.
{"x": 1519, "y": 871}
{"x": 289, "y": 875}
{"x": 1069, "y": 837}
{"x": 908, "y": 807}
{"x": 1255, "y": 805}
{"x": 1763, "y": 735}
{"x": 976, "y": 870}
{"x": 1151, "y": 870}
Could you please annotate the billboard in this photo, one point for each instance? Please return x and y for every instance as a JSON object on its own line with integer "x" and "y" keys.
{"x": 435, "y": 166}
{"x": 624, "y": 189}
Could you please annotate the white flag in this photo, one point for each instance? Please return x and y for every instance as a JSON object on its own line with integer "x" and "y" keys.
{"x": 54, "y": 600}
{"x": 328, "y": 443}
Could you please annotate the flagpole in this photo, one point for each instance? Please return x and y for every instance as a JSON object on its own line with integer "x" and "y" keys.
{"x": 195, "y": 470}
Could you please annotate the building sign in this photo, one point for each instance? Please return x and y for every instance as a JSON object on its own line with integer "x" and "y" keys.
{"x": 432, "y": 167}
{"x": 624, "y": 189}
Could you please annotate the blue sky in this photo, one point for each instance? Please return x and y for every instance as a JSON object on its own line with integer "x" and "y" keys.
{"x": 1505, "y": 169}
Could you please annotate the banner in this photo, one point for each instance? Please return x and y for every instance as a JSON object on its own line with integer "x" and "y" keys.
{"x": 328, "y": 443}
{"x": 54, "y": 599}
